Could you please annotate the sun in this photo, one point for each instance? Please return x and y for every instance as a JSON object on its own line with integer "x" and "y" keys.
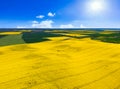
{"x": 96, "y": 6}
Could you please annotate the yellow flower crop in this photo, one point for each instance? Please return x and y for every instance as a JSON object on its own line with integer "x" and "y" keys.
{"x": 10, "y": 33}
{"x": 61, "y": 63}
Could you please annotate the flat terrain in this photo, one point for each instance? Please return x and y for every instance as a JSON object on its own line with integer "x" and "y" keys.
{"x": 60, "y": 60}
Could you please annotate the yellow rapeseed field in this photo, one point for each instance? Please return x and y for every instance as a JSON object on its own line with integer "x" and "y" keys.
{"x": 62, "y": 63}
{"x": 10, "y": 33}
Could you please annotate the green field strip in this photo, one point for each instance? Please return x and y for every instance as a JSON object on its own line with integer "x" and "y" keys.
{"x": 34, "y": 37}
{"x": 11, "y": 40}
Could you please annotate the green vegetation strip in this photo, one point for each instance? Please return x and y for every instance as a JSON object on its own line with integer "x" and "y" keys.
{"x": 110, "y": 38}
{"x": 11, "y": 40}
{"x": 33, "y": 37}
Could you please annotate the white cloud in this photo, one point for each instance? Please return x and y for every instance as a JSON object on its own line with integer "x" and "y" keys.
{"x": 43, "y": 24}
{"x": 51, "y": 14}
{"x": 71, "y": 26}
{"x": 21, "y": 27}
{"x": 40, "y": 16}
{"x": 82, "y": 26}
{"x": 67, "y": 26}
{"x": 35, "y": 22}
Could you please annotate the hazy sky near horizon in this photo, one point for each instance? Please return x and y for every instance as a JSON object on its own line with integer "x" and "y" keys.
{"x": 59, "y": 13}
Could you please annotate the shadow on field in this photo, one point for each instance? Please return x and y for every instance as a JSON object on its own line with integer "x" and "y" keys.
{"x": 34, "y": 37}
{"x": 109, "y": 38}
{"x": 1, "y": 36}
{"x": 113, "y": 37}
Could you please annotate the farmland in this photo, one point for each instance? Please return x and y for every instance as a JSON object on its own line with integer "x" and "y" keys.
{"x": 60, "y": 59}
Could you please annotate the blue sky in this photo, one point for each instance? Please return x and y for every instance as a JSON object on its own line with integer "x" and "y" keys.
{"x": 59, "y": 13}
